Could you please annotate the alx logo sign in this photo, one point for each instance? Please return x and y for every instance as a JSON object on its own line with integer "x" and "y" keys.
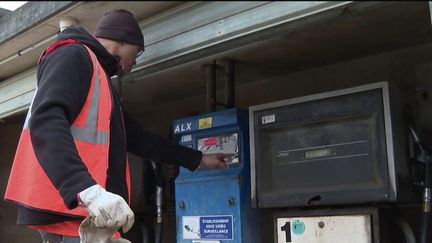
{"x": 183, "y": 127}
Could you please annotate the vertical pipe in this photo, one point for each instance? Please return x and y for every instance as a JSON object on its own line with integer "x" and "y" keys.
{"x": 229, "y": 84}
{"x": 159, "y": 202}
{"x": 211, "y": 87}
{"x": 427, "y": 212}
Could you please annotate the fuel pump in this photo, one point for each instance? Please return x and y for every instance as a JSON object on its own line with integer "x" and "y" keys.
{"x": 336, "y": 167}
{"x": 214, "y": 206}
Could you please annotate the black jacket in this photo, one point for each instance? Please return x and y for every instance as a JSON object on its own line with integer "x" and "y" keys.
{"x": 64, "y": 77}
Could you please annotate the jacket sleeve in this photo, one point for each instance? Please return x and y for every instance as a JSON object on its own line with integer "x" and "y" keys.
{"x": 64, "y": 78}
{"x": 154, "y": 147}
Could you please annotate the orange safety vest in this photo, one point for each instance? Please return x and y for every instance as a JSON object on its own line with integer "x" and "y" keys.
{"x": 28, "y": 183}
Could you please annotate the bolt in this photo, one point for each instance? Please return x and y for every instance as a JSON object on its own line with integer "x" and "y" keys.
{"x": 231, "y": 201}
{"x": 321, "y": 224}
{"x": 181, "y": 204}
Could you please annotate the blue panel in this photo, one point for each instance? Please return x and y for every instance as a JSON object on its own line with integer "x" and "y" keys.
{"x": 221, "y": 194}
{"x": 208, "y": 198}
{"x": 219, "y": 119}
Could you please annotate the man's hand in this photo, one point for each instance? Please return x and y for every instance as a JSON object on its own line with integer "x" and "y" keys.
{"x": 107, "y": 209}
{"x": 214, "y": 161}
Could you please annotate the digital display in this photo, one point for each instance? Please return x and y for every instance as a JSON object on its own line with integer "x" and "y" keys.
{"x": 317, "y": 153}
{"x": 221, "y": 144}
{"x": 210, "y": 141}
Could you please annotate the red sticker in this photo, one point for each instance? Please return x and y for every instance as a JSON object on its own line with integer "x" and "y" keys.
{"x": 210, "y": 141}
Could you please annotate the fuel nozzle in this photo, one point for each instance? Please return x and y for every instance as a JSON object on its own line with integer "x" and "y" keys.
{"x": 424, "y": 155}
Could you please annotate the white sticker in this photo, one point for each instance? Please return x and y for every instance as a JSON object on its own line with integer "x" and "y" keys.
{"x": 268, "y": 119}
{"x": 345, "y": 228}
{"x": 191, "y": 227}
{"x": 186, "y": 138}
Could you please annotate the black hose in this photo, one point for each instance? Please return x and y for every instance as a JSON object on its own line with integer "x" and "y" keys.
{"x": 159, "y": 229}
{"x": 425, "y": 228}
{"x": 406, "y": 230}
{"x": 145, "y": 233}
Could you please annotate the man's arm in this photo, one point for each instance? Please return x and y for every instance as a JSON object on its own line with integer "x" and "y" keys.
{"x": 151, "y": 146}
{"x": 64, "y": 78}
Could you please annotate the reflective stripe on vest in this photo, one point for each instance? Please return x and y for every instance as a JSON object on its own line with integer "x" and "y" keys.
{"x": 89, "y": 133}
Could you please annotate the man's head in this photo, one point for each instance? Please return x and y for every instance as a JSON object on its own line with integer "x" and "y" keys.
{"x": 119, "y": 33}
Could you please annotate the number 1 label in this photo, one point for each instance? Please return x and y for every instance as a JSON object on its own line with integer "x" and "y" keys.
{"x": 287, "y": 229}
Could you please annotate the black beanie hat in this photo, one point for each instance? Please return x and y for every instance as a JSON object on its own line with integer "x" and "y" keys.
{"x": 120, "y": 25}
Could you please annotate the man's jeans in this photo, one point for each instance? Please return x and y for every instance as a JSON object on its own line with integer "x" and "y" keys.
{"x": 54, "y": 238}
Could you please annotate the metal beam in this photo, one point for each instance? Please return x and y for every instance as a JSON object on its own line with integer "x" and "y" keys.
{"x": 28, "y": 16}
{"x": 203, "y": 31}
{"x": 3, "y": 12}
{"x": 225, "y": 21}
{"x": 241, "y": 30}
{"x": 16, "y": 93}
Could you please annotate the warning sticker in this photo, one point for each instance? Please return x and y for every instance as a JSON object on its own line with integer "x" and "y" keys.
{"x": 208, "y": 227}
{"x": 205, "y": 123}
{"x": 216, "y": 227}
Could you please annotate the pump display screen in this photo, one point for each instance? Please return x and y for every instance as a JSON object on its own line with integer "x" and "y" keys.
{"x": 227, "y": 143}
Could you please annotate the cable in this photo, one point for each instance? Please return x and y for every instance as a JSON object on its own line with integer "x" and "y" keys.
{"x": 406, "y": 229}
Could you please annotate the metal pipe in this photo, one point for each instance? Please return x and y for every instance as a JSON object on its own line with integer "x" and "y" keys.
{"x": 159, "y": 223}
{"x": 229, "y": 83}
{"x": 211, "y": 87}
{"x": 427, "y": 213}
{"x": 66, "y": 22}
{"x": 159, "y": 203}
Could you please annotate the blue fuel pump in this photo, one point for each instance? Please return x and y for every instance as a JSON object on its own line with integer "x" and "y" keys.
{"x": 214, "y": 206}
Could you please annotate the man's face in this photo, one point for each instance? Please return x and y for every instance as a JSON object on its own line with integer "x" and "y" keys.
{"x": 128, "y": 53}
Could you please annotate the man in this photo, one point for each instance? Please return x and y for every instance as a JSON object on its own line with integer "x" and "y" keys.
{"x": 73, "y": 143}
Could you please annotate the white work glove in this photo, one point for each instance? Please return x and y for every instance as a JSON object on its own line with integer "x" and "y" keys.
{"x": 107, "y": 209}
{"x": 89, "y": 233}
